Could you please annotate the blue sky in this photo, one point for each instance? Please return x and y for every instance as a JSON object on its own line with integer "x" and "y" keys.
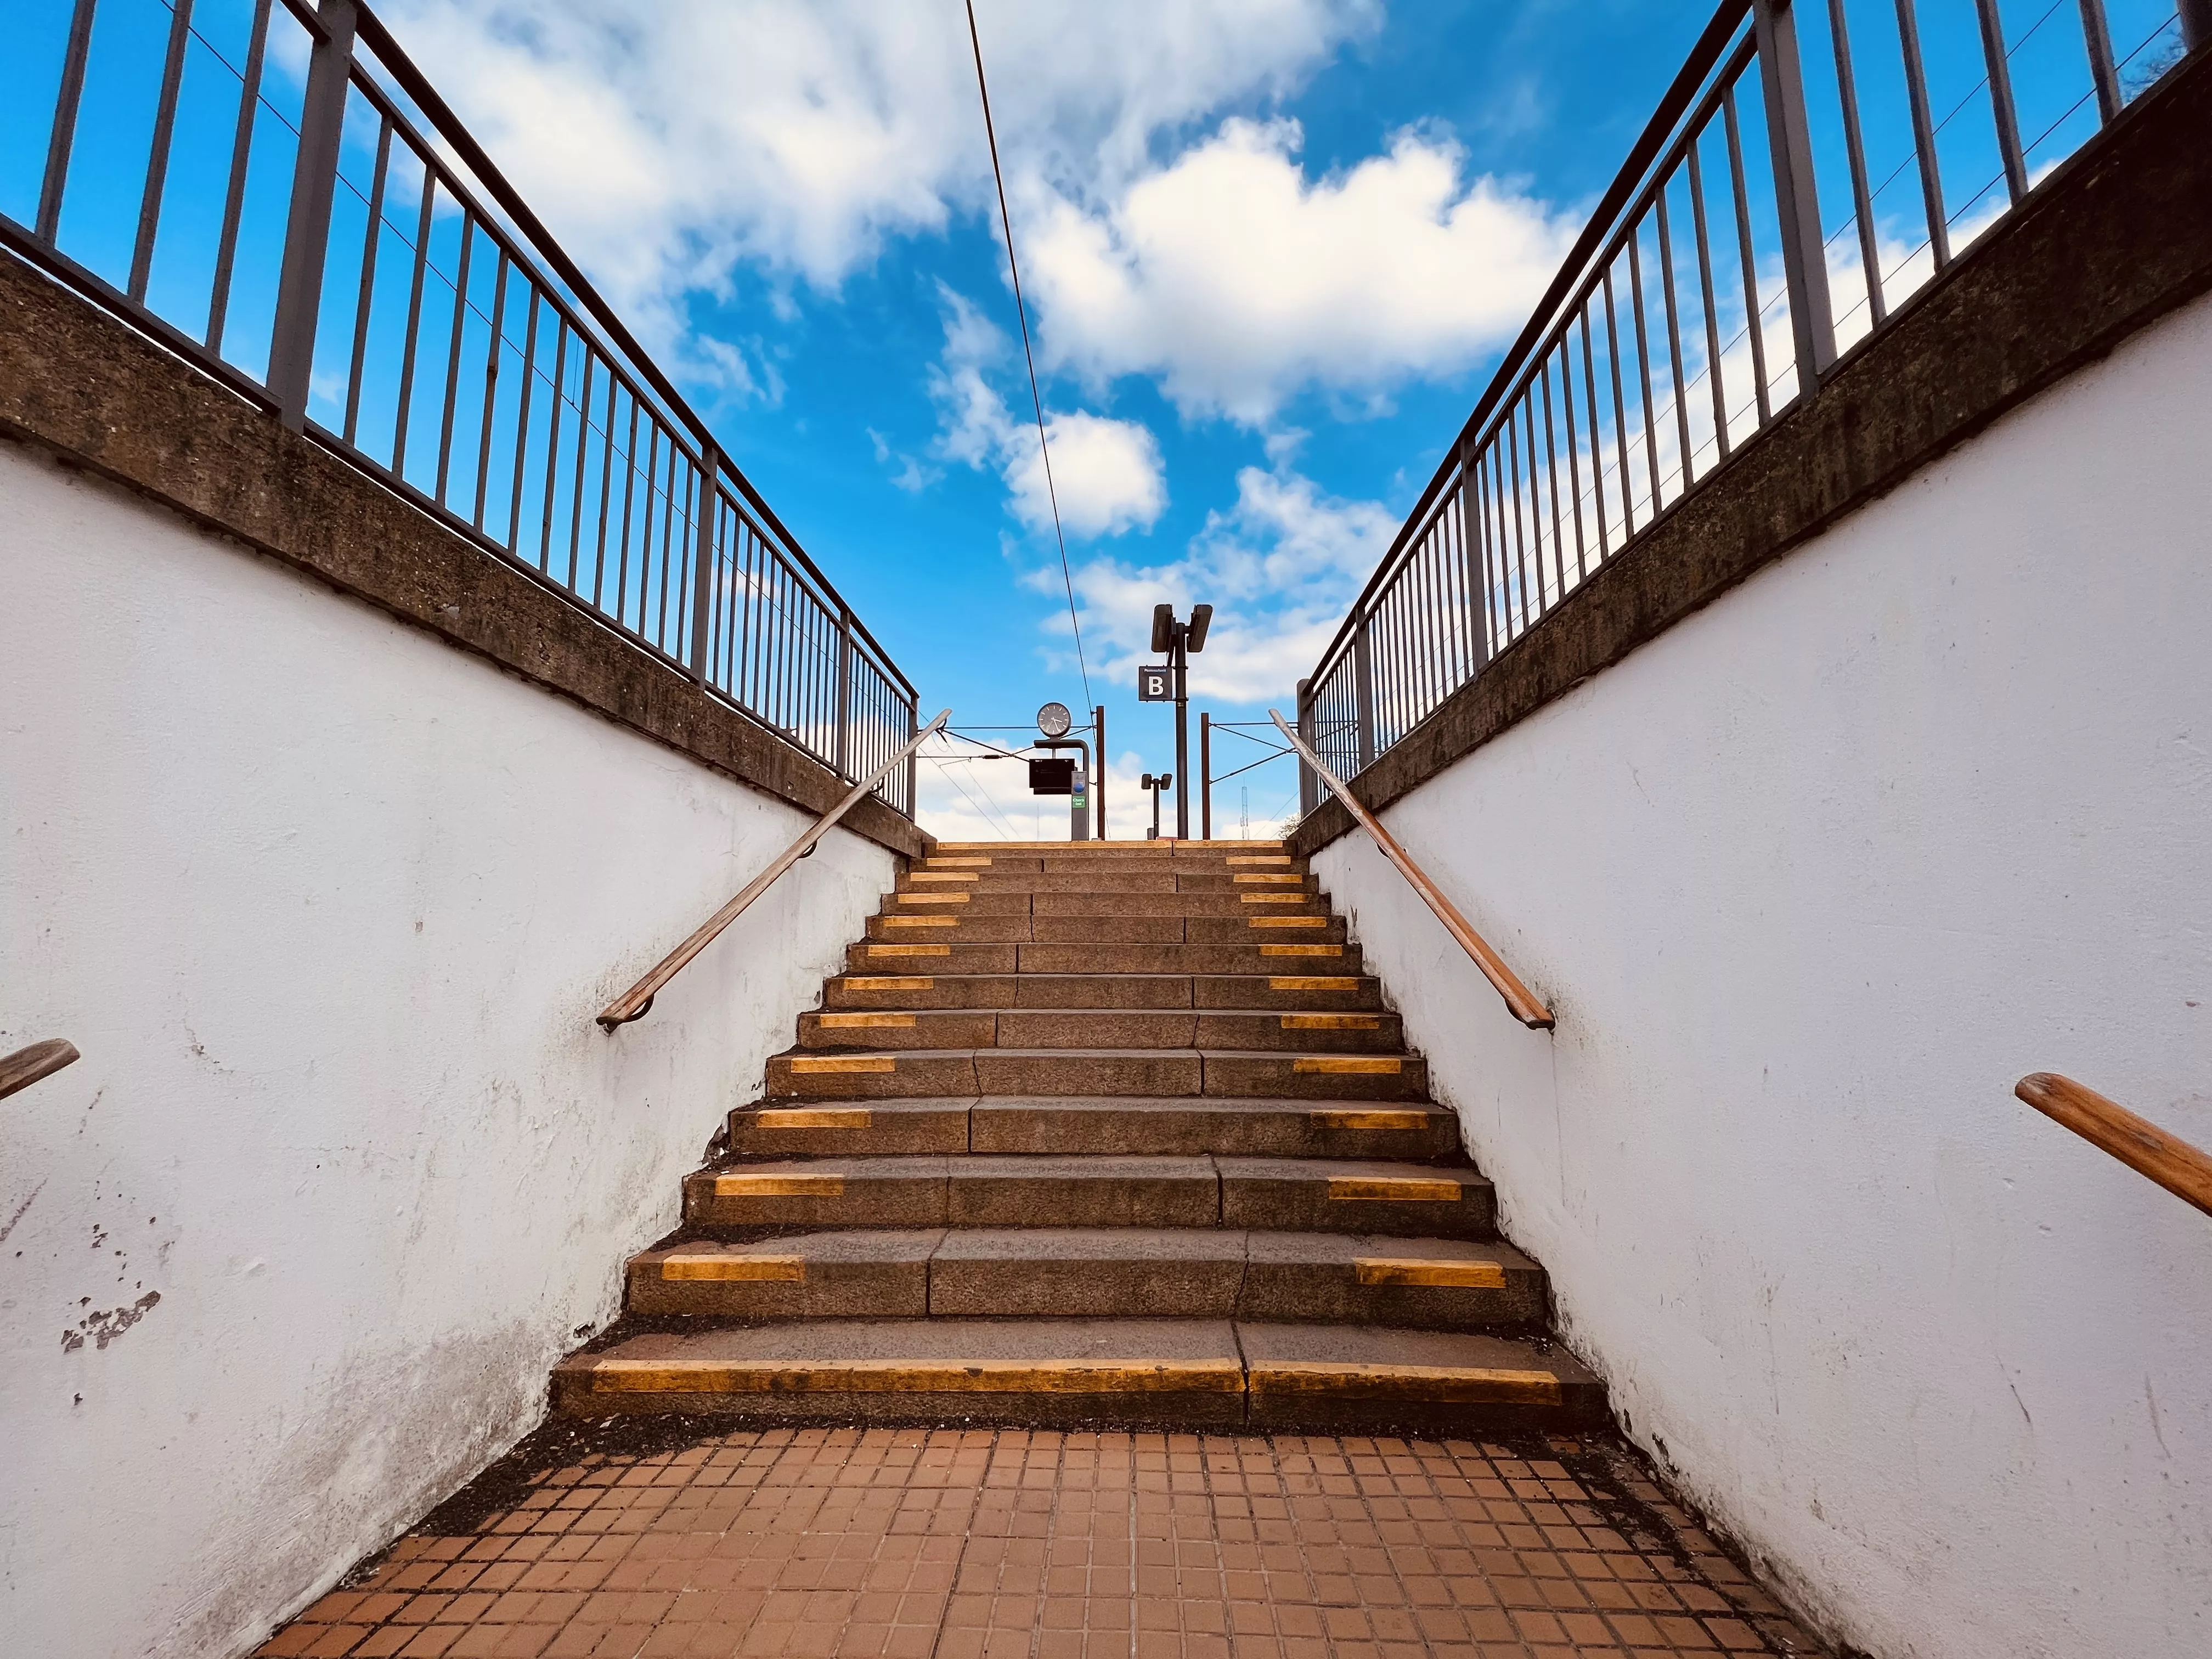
{"x": 1272, "y": 249}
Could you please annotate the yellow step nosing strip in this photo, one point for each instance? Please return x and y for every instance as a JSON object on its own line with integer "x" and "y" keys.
{"x": 719, "y": 1268}
{"x": 779, "y": 1186}
{"x": 864, "y": 1022}
{"x": 1266, "y": 880}
{"x": 909, "y": 950}
{"x": 1311, "y": 982}
{"x": 921, "y": 921}
{"x": 1440, "y": 1384}
{"x": 1338, "y": 1117}
{"x": 1271, "y": 898}
{"x": 945, "y": 875}
{"x": 1332, "y": 1022}
{"x": 1394, "y": 1189}
{"x": 902, "y": 983}
{"x": 1224, "y": 1376}
{"x": 1447, "y": 1275}
{"x": 1286, "y": 921}
{"x": 1262, "y": 858}
{"x": 831, "y": 1117}
{"x": 833, "y": 1065}
{"x": 1350, "y": 1065}
{"x": 960, "y": 864}
{"x": 933, "y": 898}
{"x": 1302, "y": 949}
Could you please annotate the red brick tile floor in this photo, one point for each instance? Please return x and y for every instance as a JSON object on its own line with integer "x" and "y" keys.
{"x": 1021, "y": 1544}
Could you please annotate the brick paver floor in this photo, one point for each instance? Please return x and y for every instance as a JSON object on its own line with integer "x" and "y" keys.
{"x": 1009, "y": 1544}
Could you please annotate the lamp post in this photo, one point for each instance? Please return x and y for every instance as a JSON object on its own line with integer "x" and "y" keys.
{"x": 1176, "y": 640}
{"x": 1155, "y": 785}
{"x": 1054, "y": 721}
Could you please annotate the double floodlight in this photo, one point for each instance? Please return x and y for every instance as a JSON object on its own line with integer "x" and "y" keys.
{"x": 1165, "y": 627}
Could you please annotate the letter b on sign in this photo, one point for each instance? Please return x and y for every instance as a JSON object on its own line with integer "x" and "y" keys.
{"x": 1155, "y": 684}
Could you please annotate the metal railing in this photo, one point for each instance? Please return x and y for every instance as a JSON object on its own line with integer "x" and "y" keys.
{"x": 1708, "y": 293}
{"x": 272, "y": 190}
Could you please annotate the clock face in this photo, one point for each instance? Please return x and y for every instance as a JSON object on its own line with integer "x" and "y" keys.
{"x": 1053, "y": 719}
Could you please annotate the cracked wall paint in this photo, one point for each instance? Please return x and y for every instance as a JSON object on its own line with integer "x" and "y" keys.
{"x": 1812, "y": 879}
{"x": 328, "y": 906}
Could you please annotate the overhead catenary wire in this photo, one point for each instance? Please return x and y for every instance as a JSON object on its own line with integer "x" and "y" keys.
{"x": 1029, "y": 357}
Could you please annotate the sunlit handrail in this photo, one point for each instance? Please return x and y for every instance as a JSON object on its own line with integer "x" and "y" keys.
{"x": 633, "y": 1003}
{"x": 2176, "y": 1165}
{"x": 27, "y": 1065}
{"x": 1520, "y": 1001}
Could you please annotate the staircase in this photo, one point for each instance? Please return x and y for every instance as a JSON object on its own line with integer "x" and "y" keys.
{"x": 1093, "y": 1133}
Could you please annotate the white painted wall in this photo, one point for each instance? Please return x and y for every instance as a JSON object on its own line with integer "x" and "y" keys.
{"x": 1811, "y": 881}
{"x": 329, "y": 907}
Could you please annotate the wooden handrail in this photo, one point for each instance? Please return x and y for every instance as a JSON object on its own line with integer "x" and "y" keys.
{"x": 633, "y": 1003}
{"x": 2176, "y": 1165}
{"x": 1520, "y": 1001}
{"x": 27, "y": 1065}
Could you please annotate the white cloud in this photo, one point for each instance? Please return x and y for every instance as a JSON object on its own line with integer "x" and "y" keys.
{"x": 1236, "y": 280}
{"x": 1280, "y": 567}
{"x": 667, "y": 140}
{"x": 1107, "y": 474}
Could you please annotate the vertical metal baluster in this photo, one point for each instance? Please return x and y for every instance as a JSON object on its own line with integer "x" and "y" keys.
{"x": 1362, "y": 686}
{"x": 1754, "y": 317}
{"x": 1705, "y": 293}
{"x": 307, "y": 226}
{"x": 1619, "y": 410}
{"x": 62, "y": 140}
{"x": 1644, "y": 361}
{"x": 2002, "y": 107}
{"x": 1854, "y": 147}
{"x": 1674, "y": 345}
{"x": 414, "y": 323}
{"x": 1574, "y": 447}
{"x": 583, "y": 446}
{"x": 528, "y": 395}
{"x": 453, "y": 354}
{"x": 1484, "y": 473}
{"x": 368, "y": 249}
{"x": 644, "y": 525}
{"x": 607, "y": 491}
{"x": 553, "y": 452}
{"x": 668, "y": 547}
{"x": 1597, "y": 439}
{"x": 2097, "y": 37}
{"x": 1520, "y": 541}
{"x": 241, "y": 151}
{"x": 1471, "y": 549}
{"x": 1552, "y": 483}
{"x": 1803, "y": 260}
{"x": 157, "y": 157}
{"x": 621, "y": 546}
{"x": 1924, "y": 133}
{"x": 495, "y": 349}
{"x": 843, "y": 764}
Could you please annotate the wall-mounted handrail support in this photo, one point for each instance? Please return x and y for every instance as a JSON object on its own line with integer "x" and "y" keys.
{"x": 2176, "y": 1165}
{"x": 633, "y": 1003}
{"x": 27, "y": 1065}
{"x": 1520, "y": 1001}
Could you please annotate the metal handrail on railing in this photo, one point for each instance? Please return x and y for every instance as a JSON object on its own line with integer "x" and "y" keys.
{"x": 42, "y": 1060}
{"x": 2173, "y": 1164}
{"x": 1671, "y": 337}
{"x": 1519, "y": 1000}
{"x": 470, "y": 369}
{"x": 635, "y": 1002}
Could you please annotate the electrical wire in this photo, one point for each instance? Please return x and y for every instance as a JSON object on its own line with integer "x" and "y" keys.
{"x": 1021, "y": 311}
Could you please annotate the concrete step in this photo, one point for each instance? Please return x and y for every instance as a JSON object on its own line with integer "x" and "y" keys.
{"x": 1287, "y": 957}
{"x": 1186, "y": 1373}
{"x": 1406, "y": 1132}
{"x": 1276, "y": 1194}
{"x": 948, "y": 951}
{"x": 1275, "y": 992}
{"x": 998, "y": 927}
{"x": 1128, "y": 1273}
{"x": 889, "y": 1074}
{"x": 1106, "y": 900}
{"x": 1101, "y": 1028}
{"x": 1163, "y": 889}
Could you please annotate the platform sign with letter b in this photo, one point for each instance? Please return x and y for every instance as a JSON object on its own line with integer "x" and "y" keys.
{"x": 1155, "y": 683}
